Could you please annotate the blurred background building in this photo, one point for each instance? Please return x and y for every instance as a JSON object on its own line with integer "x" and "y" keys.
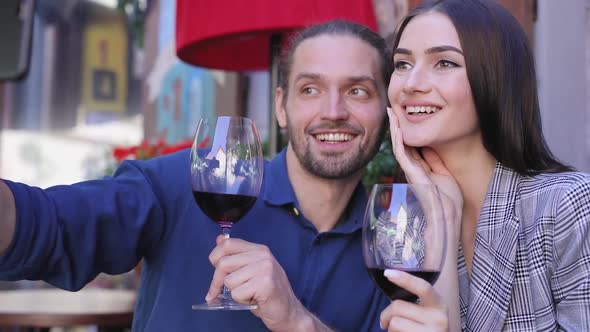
{"x": 105, "y": 74}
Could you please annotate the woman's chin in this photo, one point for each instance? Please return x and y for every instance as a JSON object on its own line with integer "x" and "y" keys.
{"x": 417, "y": 142}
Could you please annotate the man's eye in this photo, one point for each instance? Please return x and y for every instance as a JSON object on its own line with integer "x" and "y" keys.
{"x": 310, "y": 91}
{"x": 401, "y": 65}
{"x": 359, "y": 92}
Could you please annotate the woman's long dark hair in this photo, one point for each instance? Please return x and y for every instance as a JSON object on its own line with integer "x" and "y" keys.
{"x": 501, "y": 72}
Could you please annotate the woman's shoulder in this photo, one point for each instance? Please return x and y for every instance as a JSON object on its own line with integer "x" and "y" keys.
{"x": 561, "y": 196}
{"x": 562, "y": 182}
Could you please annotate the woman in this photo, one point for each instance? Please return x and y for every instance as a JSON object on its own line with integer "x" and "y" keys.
{"x": 465, "y": 115}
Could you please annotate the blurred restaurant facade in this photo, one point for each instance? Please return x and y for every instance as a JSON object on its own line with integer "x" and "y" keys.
{"x": 104, "y": 74}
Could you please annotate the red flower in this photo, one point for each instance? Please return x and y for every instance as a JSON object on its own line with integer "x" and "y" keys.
{"x": 145, "y": 150}
{"x": 120, "y": 154}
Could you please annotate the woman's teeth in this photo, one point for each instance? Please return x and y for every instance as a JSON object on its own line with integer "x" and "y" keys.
{"x": 334, "y": 137}
{"x": 421, "y": 109}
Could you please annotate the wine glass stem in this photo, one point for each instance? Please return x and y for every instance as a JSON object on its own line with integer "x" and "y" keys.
{"x": 225, "y": 231}
{"x": 225, "y": 294}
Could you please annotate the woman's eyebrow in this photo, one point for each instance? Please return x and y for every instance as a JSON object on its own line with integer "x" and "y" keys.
{"x": 435, "y": 49}
{"x": 444, "y": 48}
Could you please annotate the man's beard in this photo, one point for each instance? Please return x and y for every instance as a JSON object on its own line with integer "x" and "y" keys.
{"x": 335, "y": 165}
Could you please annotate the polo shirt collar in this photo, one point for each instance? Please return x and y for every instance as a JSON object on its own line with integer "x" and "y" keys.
{"x": 279, "y": 192}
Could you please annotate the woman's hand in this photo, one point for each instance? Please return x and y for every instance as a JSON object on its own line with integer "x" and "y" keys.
{"x": 427, "y": 168}
{"x": 430, "y": 315}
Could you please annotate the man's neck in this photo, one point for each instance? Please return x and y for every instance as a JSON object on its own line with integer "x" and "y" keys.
{"x": 322, "y": 201}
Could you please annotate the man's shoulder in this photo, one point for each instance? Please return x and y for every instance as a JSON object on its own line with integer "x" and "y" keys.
{"x": 177, "y": 160}
{"x": 163, "y": 173}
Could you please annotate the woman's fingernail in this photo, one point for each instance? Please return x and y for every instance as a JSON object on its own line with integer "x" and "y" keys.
{"x": 393, "y": 274}
{"x": 207, "y": 298}
{"x": 389, "y": 112}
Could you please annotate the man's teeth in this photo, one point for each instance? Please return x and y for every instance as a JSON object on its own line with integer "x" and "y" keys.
{"x": 421, "y": 109}
{"x": 334, "y": 137}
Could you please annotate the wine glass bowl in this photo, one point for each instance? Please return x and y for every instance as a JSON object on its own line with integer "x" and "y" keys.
{"x": 227, "y": 168}
{"x": 404, "y": 229}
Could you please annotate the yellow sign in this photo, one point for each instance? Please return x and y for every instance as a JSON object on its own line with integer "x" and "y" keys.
{"x": 104, "y": 77}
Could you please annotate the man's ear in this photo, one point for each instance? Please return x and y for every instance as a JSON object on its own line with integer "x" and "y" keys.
{"x": 280, "y": 112}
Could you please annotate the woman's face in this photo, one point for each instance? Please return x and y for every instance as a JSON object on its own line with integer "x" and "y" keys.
{"x": 429, "y": 90}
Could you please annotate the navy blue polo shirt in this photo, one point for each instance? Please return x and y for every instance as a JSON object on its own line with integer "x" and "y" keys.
{"x": 66, "y": 235}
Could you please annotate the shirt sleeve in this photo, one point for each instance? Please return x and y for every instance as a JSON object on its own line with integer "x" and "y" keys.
{"x": 67, "y": 235}
{"x": 570, "y": 281}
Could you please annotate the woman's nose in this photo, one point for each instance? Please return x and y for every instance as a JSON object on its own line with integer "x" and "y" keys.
{"x": 416, "y": 81}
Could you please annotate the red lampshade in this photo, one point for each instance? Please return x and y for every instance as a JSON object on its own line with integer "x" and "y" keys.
{"x": 235, "y": 34}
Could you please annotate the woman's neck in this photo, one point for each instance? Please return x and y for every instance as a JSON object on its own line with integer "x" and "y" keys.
{"x": 472, "y": 166}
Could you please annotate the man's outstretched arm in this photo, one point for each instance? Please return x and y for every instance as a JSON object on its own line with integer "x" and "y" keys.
{"x": 7, "y": 217}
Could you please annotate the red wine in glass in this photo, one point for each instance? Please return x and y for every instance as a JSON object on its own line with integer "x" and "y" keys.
{"x": 404, "y": 229}
{"x": 226, "y": 176}
{"x": 224, "y": 208}
{"x": 393, "y": 291}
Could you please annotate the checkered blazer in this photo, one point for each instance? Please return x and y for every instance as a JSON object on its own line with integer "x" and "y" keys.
{"x": 531, "y": 267}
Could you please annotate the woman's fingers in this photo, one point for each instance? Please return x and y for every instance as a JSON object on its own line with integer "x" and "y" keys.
{"x": 406, "y": 316}
{"x": 400, "y": 151}
{"x": 404, "y": 309}
{"x": 430, "y": 315}
{"x": 418, "y": 159}
{"x": 399, "y": 324}
{"x": 429, "y": 161}
{"x": 444, "y": 180}
{"x": 415, "y": 285}
{"x": 396, "y": 139}
{"x": 433, "y": 160}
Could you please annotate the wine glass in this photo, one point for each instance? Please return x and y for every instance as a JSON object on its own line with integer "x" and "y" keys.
{"x": 226, "y": 175}
{"x": 404, "y": 229}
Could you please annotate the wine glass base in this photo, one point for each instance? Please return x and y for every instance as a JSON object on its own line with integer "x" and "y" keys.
{"x": 223, "y": 304}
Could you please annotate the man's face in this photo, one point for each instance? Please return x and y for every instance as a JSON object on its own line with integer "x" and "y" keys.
{"x": 335, "y": 107}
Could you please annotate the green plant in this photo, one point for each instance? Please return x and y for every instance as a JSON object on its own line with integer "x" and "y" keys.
{"x": 381, "y": 167}
{"x": 135, "y": 10}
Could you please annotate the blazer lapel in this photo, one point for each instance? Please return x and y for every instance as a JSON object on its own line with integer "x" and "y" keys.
{"x": 495, "y": 254}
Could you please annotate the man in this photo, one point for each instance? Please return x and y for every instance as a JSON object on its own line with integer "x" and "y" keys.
{"x": 296, "y": 254}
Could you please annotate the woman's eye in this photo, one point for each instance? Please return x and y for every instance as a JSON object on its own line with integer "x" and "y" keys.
{"x": 401, "y": 65}
{"x": 446, "y": 64}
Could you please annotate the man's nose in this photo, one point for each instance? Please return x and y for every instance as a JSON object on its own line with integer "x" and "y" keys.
{"x": 335, "y": 107}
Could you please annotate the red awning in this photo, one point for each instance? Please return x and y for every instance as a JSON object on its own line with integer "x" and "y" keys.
{"x": 235, "y": 34}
